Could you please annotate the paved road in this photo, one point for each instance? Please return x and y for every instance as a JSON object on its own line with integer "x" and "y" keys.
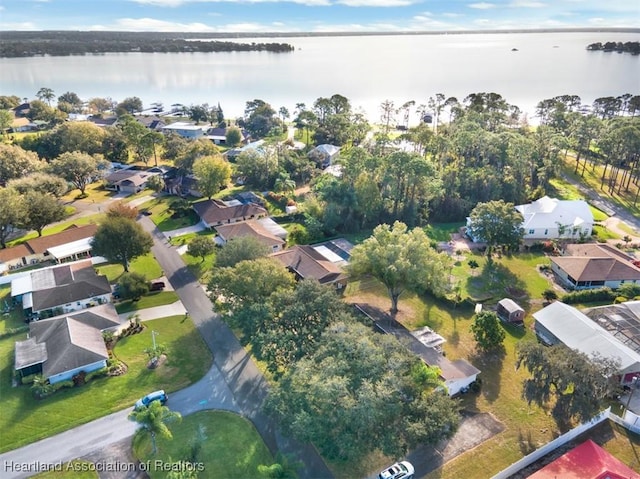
{"x": 234, "y": 383}
{"x": 244, "y": 379}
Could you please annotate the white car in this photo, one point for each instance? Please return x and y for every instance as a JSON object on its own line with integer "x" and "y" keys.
{"x": 400, "y": 470}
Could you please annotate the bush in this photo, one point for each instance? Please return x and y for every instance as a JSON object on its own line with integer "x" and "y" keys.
{"x": 619, "y": 299}
{"x": 629, "y": 290}
{"x": 98, "y": 373}
{"x": 63, "y": 385}
{"x": 589, "y": 296}
{"x": 473, "y": 264}
{"x": 28, "y": 379}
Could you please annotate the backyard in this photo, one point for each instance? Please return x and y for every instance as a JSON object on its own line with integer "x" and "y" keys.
{"x": 526, "y": 427}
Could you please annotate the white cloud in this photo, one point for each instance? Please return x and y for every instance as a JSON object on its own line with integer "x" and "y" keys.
{"x": 526, "y": 4}
{"x": 177, "y": 3}
{"x": 18, "y": 26}
{"x": 482, "y": 5}
{"x": 451, "y": 15}
{"x": 152, "y": 24}
{"x": 376, "y": 3}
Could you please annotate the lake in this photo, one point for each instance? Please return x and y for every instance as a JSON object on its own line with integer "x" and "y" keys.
{"x": 365, "y": 69}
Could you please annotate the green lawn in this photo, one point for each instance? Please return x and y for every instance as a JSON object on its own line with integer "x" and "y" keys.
{"x": 500, "y": 394}
{"x": 441, "y": 232}
{"x": 146, "y": 265}
{"x": 602, "y": 234}
{"x": 25, "y": 420}
{"x": 230, "y": 446}
{"x": 76, "y": 469}
{"x": 154, "y": 298}
{"x": 15, "y": 318}
{"x": 507, "y": 275}
{"x": 161, "y": 214}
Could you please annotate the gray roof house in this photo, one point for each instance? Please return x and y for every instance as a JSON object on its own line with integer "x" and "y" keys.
{"x": 61, "y": 347}
{"x": 60, "y": 289}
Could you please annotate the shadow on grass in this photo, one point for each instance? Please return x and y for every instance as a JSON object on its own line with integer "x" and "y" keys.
{"x": 495, "y": 281}
{"x": 490, "y": 361}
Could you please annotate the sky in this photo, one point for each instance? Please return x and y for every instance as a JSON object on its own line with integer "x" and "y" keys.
{"x": 257, "y": 16}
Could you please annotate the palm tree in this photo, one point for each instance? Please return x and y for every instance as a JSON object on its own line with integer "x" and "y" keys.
{"x": 154, "y": 419}
{"x": 45, "y": 94}
{"x": 284, "y": 184}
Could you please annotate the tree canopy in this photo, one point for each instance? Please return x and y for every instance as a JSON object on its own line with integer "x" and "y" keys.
{"x": 121, "y": 240}
{"x": 487, "y": 331}
{"x": 213, "y": 173}
{"x": 201, "y": 246}
{"x": 360, "y": 392}
{"x": 41, "y": 209}
{"x": 154, "y": 419}
{"x": 569, "y": 382}
{"x": 79, "y": 169}
{"x": 498, "y": 224}
{"x": 241, "y": 249}
{"x": 402, "y": 260}
{"x": 16, "y": 163}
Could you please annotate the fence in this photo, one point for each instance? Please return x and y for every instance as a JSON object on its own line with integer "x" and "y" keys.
{"x": 553, "y": 445}
{"x": 631, "y": 421}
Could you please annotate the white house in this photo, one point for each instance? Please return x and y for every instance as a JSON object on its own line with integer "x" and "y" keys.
{"x": 561, "y": 323}
{"x": 550, "y": 218}
{"x": 186, "y": 130}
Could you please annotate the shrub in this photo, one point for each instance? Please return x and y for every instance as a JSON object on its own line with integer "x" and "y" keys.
{"x": 589, "y": 296}
{"x": 619, "y": 299}
{"x": 629, "y": 290}
{"x": 80, "y": 378}
{"x": 98, "y": 373}
{"x": 63, "y": 385}
{"x": 41, "y": 388}
{"x": 28, "y": 379}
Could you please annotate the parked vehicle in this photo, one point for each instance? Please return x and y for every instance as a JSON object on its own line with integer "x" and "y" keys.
{"x": 157, "y": 286}
{"x": 400, "y": 470}
{"x": 159, "y": 395}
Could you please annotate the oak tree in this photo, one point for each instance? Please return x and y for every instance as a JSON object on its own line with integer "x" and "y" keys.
{"x": 121, "y": 240}
{"x": 402, "y": 260}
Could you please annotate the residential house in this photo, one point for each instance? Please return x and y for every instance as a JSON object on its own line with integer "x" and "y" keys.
{"x": 586, "y": 461}
{"x": 61, "y": 347}
{"x": 219, "y": 136}
{"x": 104, "y": 121}
{"x": 550, "y": 218}
{"x": 152, "y": 122}
{"x": 457, "y": 375}
{"x": 129, "y": 180}
{"x": 71, "y": 244}
{"x": 253, "y": 146}
{"x": 60, "y": 289}
{"x": 587, "y": 266}
{"x": 22, "y": 110}
{"x": 325, "y": 154}
{"x": 323, "y": 262}
{"x": 251, "y": 228}
{"x": 214, "y": 212}
{"x": 561, "y": 323}
{"x": 187, "y": 130}
{"x": 510, "y": 312}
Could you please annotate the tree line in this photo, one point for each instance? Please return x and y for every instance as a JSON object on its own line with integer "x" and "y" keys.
{"x": 626, "y": 47}
{"x": 17, "y": 44}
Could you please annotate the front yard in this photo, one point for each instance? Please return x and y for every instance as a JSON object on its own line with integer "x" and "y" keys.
{"x": 25, "y": 419}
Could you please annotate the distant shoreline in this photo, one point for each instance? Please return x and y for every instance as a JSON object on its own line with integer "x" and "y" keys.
{"x": 5, "y": 34}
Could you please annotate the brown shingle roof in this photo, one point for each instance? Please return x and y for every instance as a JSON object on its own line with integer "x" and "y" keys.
{"x": 597, "y": 269}
{"x": 306, "y": 262}
{"x": 15, "y": 252}
{"x": 73, "y": 233}
{"x": 249, "y": 228}
{"x": 213, "y": 212}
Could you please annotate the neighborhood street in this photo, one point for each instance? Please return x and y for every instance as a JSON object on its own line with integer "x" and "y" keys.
{"x": 233, "y": 383}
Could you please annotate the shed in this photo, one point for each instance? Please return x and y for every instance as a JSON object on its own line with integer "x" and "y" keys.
{"x": 509, "y": 311}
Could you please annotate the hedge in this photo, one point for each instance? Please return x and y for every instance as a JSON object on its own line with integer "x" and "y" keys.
{"x": 589, "y": 296}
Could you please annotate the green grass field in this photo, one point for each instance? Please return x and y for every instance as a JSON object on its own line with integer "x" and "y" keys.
{"x": 150, "y": 300}
{"x": 25, "y": 419}
{"x": 230, "y": 446}
{"x": 442, "y": 232}
{"x": 146, "y": 265}
{"x": 161, "y": 214}
{"x": 501, "y": 392}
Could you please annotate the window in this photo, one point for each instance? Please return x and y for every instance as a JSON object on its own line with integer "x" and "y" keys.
{"x": 532, "y": 231}
{"x": 546, "y": 232}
